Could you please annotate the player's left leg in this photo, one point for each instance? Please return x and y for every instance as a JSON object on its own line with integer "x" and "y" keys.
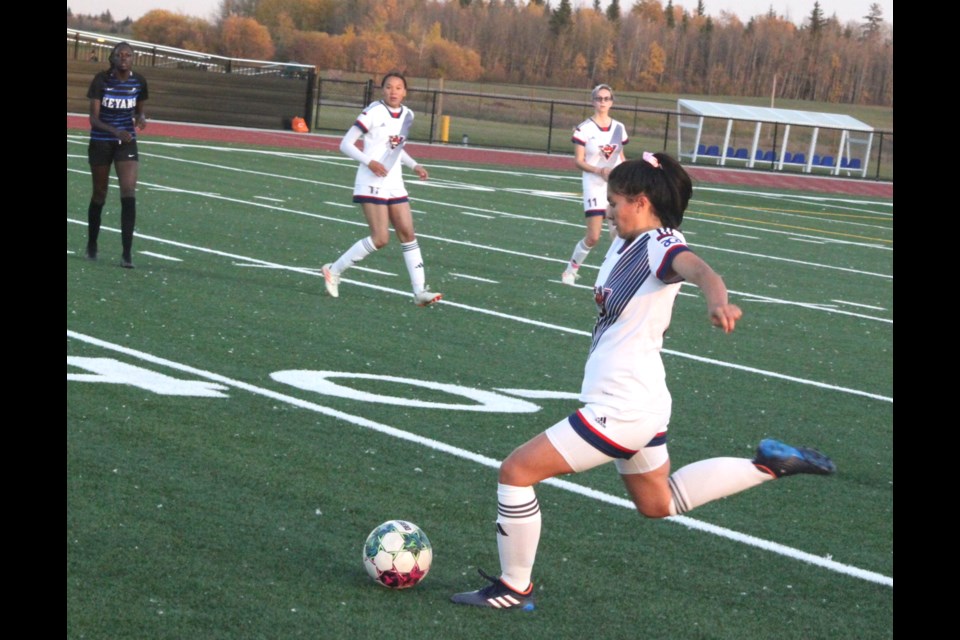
{"x": 594, "y": 223}
{"x": 658, "y": 494}
{"x": 127, "y": 171}
{"x": 402, "y": 220}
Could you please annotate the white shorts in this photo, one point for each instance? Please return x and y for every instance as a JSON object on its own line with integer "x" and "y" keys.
{"x": 590, "y": 437}
{"x": 387, "y": 190}
{"x": 594, "y": 197}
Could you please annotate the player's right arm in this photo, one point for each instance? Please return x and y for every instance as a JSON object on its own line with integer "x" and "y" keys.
{"x": 348, "y": 146}
{"x": 692, "y": 268}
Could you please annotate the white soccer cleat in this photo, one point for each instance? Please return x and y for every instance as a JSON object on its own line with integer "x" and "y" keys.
{"x": 332, "y": 281}
{"x": 426, "y": 297}
{"x": 569, "y": 277}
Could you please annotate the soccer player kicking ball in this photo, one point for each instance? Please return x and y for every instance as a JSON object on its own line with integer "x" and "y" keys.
{"x": 626, "y": 402}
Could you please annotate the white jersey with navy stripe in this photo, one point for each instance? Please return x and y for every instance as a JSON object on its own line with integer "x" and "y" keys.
{"x": 382, "y": 129}
{"x": 624, "y": 371}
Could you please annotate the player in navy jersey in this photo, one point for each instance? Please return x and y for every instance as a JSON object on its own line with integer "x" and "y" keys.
{"x": 116, "y": 112}
{"x": 626, "y": 404}
{"x": 597, "y": 148}
{"x": 384, "y": 127}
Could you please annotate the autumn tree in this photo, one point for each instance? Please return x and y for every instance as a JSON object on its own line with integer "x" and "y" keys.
{"x": 173, "y": 30}
{"x": 245, "y": 38}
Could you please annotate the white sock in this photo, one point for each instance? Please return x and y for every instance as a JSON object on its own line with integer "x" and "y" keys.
{"x": 414, "y": 260}
{"x": 580, "y": 253}
{"x": 518, "y": 533}
{"x": 708, "y": 480}
{"x": 360, "y": 250}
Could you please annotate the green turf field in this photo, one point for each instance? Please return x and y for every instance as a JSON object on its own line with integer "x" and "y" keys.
{"x": 233, "y": 433}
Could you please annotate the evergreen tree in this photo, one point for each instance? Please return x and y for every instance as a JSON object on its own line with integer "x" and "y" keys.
{"x": 873, "y": 22}
{"x": 613, "y": 11}
{"x": 561, "y": 18}
{"x": 816, "y": 19}
{"x": 668, "y": 14}
{"x": 701, "y": 9}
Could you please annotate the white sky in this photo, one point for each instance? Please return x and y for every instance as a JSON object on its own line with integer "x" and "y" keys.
{"x": 795, "y": 10}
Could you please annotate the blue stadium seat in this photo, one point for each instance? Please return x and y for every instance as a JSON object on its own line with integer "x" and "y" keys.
{"x": 816, "y": 159}
{"x": 768, "y": 157}
{"x": 758, "y": 155}
{"x": 799, "y": 158}
{"x": 854, "y": 163}
{"x": 827, "y": 161}
{"x": 730, "y": 152}
{"x": 787, "y": 157}
{"x": 701, "y": 149}
{"x": 712, "y": 150}
{"x": 742, "y": 154}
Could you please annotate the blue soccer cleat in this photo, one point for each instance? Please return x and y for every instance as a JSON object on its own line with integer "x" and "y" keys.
{"x": 781, "y": 460}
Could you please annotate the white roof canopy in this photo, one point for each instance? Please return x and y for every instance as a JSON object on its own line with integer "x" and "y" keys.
{"x": 694, "y": 114}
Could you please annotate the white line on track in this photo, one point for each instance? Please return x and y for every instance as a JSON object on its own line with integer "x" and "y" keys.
{"x": 690, "y": 523}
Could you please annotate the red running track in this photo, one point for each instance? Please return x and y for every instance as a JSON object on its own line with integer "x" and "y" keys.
{"x": 289, "y": 139}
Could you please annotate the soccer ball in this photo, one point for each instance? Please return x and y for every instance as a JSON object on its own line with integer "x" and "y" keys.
{"x": 397, "y": 554}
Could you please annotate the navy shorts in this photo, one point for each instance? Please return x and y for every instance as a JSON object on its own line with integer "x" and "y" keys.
{"x": 103, "y": 152}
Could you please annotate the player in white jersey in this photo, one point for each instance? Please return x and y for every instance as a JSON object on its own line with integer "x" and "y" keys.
{"x": 626, "y": 402}
{"x": 384, "y": 127}
{"x": 597, "y": 148}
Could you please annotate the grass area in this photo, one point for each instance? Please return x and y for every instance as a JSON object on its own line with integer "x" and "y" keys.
{"x": 215, "y": 490}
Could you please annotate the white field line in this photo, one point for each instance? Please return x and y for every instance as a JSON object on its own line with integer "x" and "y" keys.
{"x": 347, "y": 163}
{"x": 826, "y": 563}
{"x": 531, "y": 256}
{"x": 465, "y": 307}
{"x": 160, "y": 255}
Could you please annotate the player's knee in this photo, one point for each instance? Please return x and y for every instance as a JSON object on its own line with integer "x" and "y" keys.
{"x": 653, "y": 512}
{"x": 591, "y": 239}
{"x": 653, "y": 509}
{"x": 380, "y": 241}
{"x": 511, "y": 471}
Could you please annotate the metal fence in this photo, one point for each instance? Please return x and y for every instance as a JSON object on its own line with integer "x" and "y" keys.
{"x": 544, "y": 125}
{"x": 84, "y": 45}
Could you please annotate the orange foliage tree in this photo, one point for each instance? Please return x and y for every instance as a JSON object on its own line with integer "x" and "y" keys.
{"x": 173, "y": 30}
{"x": 245, "y": 38}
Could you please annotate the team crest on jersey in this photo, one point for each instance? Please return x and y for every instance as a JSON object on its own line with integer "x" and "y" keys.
{"x": 600, "y": 297}
{"x": 607, "y": 150}
{"x": 396, "y": 141}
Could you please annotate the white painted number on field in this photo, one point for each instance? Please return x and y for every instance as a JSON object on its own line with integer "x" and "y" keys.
{"x": 115, "y": 372}
{"x": 319, "y": 382}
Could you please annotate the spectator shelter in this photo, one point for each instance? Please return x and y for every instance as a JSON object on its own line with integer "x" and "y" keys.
{"x": 774, "y": 137}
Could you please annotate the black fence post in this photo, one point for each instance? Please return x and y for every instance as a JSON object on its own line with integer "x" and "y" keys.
{"x": 367, "y": 93}
{"x": 433, "y": 117}
{"x": 879, "y": 155}
{"x": 666, "y": 132}
{"x": 550, "y": 130}
{"x": 308, "y": 103}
